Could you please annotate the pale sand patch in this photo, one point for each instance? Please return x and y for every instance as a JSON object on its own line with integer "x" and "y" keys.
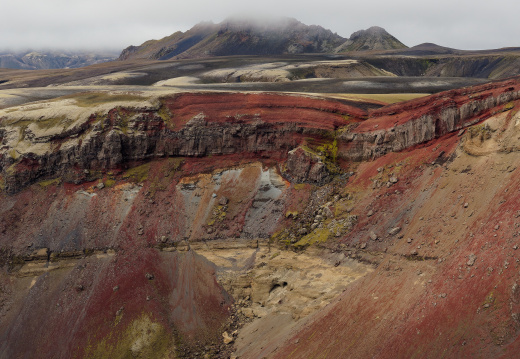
{"x": 178, "y": 81}
{"x": 250, "y": 73}
{"x": 123, "y": 75}
{"x": 275, "y": 71}
{"x": 278, "y": 289}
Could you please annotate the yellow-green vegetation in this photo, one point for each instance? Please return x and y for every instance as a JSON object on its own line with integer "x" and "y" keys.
{"x": 124, "y": 116}
{"x": 482, "y": 131}
{"x": 164, "y": 113}
{"x": 11, "y": 170}
{"x": 60, "y": 121}
{"x": 138, "y": 174}
{"x": 89, "y": 99}
{"x": 281, "y": 236}
{"x": 219, "y": 213}
{"x": 291, "y": 214}
{"x": 329, "y": 150}
{"x": 275, "y": 255}
{"x": 385, "y": 98}
{"x": 325, "y": 149}
{"x": 301, "y": 186}
{"x": 319, "y": 235}
{"x": 143, "y": 338}
{"x": 110, "y": 182}
{"x": 509, "y": 106}
{"x": 119, "y": 316}
{"x": 329, "y": 228}
{"x": 346, "y": 118}
{"x": 50, "y": 182}
{"x": 345, "y": 129}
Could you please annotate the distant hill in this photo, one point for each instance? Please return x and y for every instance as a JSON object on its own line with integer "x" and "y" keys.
{"x": 374, "y": 38}
{"x": 428, "y": 49}
{"x": 254, "y": 37}
{"x": 37, "y": 60}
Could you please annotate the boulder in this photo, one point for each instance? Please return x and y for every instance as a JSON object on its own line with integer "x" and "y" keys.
{"x": 305, "y": 166}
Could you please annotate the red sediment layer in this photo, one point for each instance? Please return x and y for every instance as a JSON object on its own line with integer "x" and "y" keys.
{"x": 400, "y": 113}
{"x": 271, "y": 108}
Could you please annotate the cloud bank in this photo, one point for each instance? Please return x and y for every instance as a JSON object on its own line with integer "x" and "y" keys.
{"x": 115, "y": 24}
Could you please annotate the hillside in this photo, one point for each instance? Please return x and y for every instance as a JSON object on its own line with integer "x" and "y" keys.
{"x": 374, "y": 38}
{"x": 185, "y": 224}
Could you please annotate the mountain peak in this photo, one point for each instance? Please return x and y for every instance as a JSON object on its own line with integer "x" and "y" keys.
{"x": 373, "y": 38}
{"x": 371, "y": 31}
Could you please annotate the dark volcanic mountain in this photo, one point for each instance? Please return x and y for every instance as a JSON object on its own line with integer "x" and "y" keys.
{"x": 46, "y": 60}
{"x": 374, "y": 38}
{"x": 253, "y": 37}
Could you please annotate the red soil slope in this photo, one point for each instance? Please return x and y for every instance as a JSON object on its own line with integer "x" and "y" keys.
{"x": 92, "y": 270}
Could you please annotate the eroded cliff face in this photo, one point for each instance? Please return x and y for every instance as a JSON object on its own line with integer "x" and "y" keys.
{"x": 445, "y": 236}
{"x": 261, "y": 225}
{"x": 268, "y": 125}
{"x": 398, "y": 127}
{"x": 194, "y": 125}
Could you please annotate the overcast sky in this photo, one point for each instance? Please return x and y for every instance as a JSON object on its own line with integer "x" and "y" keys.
{"x": 115, "y": 24}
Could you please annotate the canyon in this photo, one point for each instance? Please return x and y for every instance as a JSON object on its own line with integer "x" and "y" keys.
{"x": 200, "y": 223}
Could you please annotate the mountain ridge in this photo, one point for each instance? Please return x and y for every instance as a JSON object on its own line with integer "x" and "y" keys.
{"x": 254, "y": 37}
{"x": 52, "y": 59}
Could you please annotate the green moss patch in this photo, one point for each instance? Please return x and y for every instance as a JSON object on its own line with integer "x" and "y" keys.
{"x": 319, "y": 235}
{"x": 48, "y": 123}
{"x": 97, "y": 98}
{"x": 50, "y": 182}
{"x": 138, "y": 174}
{"x": 219, "y": 214}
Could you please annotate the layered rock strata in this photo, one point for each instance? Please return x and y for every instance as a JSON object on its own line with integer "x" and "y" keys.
{"x": 182, "y": 125}
{"x": 400, "y": 126}
{"x": 203, "y": 124}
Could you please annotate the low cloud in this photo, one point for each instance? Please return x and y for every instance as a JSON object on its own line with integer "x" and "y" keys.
{"x": 115, "y": 24}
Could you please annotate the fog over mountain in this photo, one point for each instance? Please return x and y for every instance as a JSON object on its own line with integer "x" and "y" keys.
{"x": 115, "y": 24}
{"x": 244, "y": 36}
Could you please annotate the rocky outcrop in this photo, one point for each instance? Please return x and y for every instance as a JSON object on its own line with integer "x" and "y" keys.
{"x": 266, "y": 125}
{"x": 397, "y": 127}
{"x": 305, "y": 166}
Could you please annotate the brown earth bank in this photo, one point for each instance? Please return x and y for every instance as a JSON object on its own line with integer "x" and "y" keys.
{"x": 260, "y": 225}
